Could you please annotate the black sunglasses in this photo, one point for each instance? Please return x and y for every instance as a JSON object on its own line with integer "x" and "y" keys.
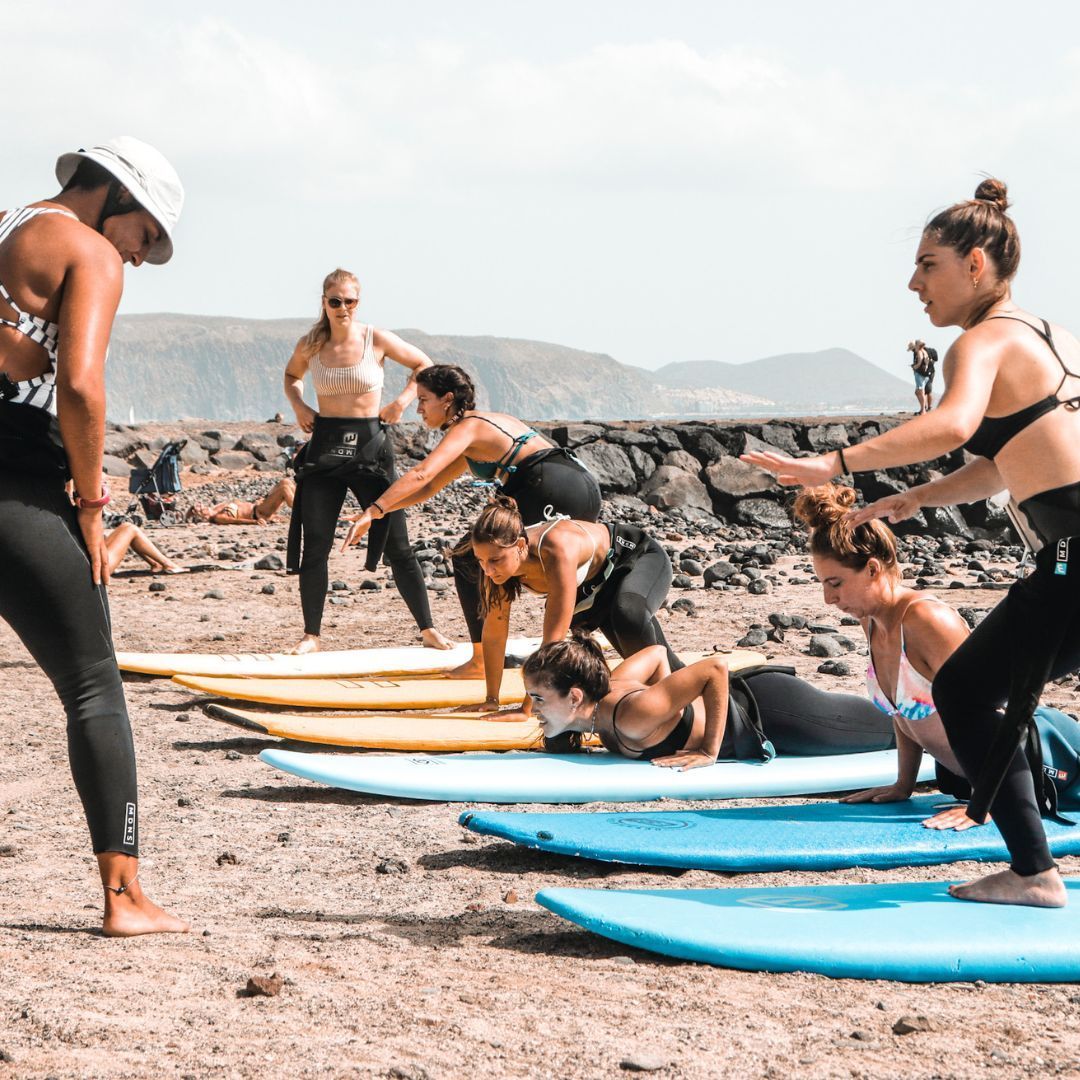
{"x": 342, "y": 301}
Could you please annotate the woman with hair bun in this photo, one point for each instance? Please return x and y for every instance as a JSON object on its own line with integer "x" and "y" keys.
{"x": 611, "y": 578}
{"x": 349, "y": 450}
{"x": 1011, "y": 400}
{"x": 694, "y": 716}
{"x": 544, "y": 480}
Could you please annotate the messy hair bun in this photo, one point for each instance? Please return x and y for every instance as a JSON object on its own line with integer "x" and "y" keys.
{"x": 825, "y": 509}
{"x": 994, "y": 191}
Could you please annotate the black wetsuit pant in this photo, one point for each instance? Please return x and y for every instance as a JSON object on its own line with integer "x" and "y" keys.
{"x": 548, "y": 483}
{"x": 624, "y": 607}
{"x": 321, "y": 503}
{"x": 1031, "y": 637}
{"x": 798, "y": 718}
{"x": 48, "y": 599}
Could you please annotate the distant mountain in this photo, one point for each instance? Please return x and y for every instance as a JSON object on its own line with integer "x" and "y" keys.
{"x": 832, "y": 378}
{"x": 163, "y": 367}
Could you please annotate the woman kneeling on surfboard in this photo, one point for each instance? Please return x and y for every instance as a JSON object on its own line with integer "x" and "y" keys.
{"x": 910, "y": 636}
{"x": 693, "y": 716}
{"x": 349, "y": 449}
{"x": 543, "y": 479}
{"x": 1011, "y": 401}
{"x": 597, "y": 577}
{"x": 62, "y": 272}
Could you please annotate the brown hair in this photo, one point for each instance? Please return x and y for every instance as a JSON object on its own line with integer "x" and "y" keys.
{"x": 319, "y": 334}
{"x": 499, "y": 523}
{"x": 443, "y": 379}
{"x": 982, "y": 222}
{"x": 824, "y": 509}
{"x": 564, "y": 664}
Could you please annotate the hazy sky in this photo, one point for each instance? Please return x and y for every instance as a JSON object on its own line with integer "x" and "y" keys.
{"x": 686, "y": 181}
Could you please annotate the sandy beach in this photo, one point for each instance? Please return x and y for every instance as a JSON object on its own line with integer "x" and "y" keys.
{"x": 407, "y": 947}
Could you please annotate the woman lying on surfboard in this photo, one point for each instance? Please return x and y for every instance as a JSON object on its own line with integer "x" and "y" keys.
{"x": 543, "y": 479}
{"x": 597, "y": 577}
{"x": 910, "y": 637}
{"x": 691, "y": 717}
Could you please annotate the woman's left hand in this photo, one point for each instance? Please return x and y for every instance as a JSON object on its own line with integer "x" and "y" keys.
{"x": 507, "y": 716}
{"x": 794, "y": 472}
{"x": 953, "y": 818}
{"x": 361, "y": 524}
{"x": 392, "y": 412}
{"x": 685, "y": 759}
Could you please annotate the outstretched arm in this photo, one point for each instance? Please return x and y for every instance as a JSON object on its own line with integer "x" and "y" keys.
{"x": 970, "y": 369}
{"x": 409, "y": 356}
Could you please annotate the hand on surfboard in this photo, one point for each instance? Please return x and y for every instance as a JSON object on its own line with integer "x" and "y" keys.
{"x": 955, "y": 817}
{"x": 361, "y": 524}
{"x": 892, "y": 508}
{"x": 685, "y": 759}
{"x": 794, "y": 472}
{"x": 889, "y": 793}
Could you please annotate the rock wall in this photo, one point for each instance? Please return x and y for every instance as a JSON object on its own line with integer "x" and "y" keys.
{"x": 688, "y": 470}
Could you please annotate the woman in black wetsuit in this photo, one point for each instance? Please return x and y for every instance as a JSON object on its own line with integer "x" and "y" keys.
{"x": 683, "y": 720}
{"x": 61, "y": 276}
{"x": 1010, "y": 400}
{"x": 543, "y": 479}
{"x": 349, "y": 449}
{"x": 612, "y": 578}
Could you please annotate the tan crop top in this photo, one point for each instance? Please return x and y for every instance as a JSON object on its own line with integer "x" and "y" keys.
{"x": 360, "y": 378}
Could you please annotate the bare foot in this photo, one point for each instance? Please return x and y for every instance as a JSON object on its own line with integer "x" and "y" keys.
{"x": 471, "y": 669}
{"x": 309, "y": 643}
{"x": 131, "y": 914}
{"x": 434, "y": 640}
{"x": 1006, "y": 887}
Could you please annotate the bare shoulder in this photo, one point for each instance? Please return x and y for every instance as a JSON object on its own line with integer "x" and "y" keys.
{"x": 932, "y": 621}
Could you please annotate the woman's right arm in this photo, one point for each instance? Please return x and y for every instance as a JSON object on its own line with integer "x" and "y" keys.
{"x": 92, "y": 286}
{"x": 493, "y": 643}
{"x": 295, "y": 370}
{"x": 909, "y": 757}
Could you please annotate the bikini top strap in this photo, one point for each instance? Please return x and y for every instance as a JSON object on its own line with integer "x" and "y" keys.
{"x": 551, "y": 525}
{"x": 488, "y": 420}
{"x": 628, "y": 750}
{"x": 1047, "y": 335}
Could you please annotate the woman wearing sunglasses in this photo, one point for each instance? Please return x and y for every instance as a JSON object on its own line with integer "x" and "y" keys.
{"x": 61, "y": 277}
{"x": 349, "y": 449}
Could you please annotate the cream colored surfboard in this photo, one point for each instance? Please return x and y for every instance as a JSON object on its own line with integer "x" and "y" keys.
{"x": 435, "y": 692}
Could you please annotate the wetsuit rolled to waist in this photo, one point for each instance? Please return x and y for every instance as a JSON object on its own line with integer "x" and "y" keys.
{"x": 344, "y": 448}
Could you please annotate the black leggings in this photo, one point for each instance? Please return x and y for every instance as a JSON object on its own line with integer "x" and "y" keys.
{"x": 49, "y": 600}
{"x": 554, "y": 484}
{"x": 798, "y": 718}
{"x": 321, "y": 502}
{"x": 625, "y": 606}
{"x": 1031, "y": 637}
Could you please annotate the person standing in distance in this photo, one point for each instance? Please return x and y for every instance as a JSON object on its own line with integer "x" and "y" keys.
{"x": 61, "y": 276}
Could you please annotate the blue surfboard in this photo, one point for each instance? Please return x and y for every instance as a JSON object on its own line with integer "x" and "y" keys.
{"x": 814, "y": 836}
{"x": 523, "y": 777}
{"x": 910, "y": 932}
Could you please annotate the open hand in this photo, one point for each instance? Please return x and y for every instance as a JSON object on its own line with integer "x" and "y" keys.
{"x": 685, "y": 759}
{"x": 93, "y": 531}
{"x": 360, "y": 525}
{"x": 892, "y": 508}
{"x": 890, "y": 793}
{"x": 794, "y": 472}
{"x": 953, "y": 818}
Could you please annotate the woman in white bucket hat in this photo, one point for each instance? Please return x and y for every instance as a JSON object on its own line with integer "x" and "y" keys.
{"x": 61, "y": 277}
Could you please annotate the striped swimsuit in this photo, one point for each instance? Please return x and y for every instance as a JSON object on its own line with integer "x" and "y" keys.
{"x": 41, "y": 391}
{"x": 360, "y": 378}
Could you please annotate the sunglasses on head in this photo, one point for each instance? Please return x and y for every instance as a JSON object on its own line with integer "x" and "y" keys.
{"x": 342, "y": 301}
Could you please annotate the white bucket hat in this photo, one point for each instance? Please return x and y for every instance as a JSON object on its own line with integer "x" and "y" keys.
{"x": 146, "y": 173}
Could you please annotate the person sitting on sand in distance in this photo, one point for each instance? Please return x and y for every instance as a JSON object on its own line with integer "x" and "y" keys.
{"x": 543, "y": 479}
{"x": 1008, "y": 376}
{"x": 611, "y": 578}
{"x": 129, "y": 537}
{"x": 349, "y": 449}
{"x": 238, "y": 512}
{"x": 62, "y": 267}
{"x": 682, "y": 719}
